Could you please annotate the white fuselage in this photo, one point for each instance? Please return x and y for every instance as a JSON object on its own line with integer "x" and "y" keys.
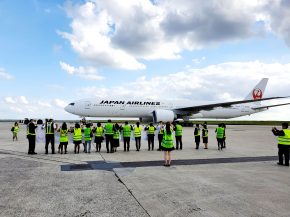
{"x": 145, "y": 108}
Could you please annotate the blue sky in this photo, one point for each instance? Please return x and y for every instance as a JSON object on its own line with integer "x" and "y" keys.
{"x": 54, "y": 52}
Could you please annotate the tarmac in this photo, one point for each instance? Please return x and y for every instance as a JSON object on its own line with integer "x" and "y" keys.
{"x": 241, "y": 180}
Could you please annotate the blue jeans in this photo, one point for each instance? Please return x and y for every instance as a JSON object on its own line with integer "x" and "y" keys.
{"x": 88, "y": 146}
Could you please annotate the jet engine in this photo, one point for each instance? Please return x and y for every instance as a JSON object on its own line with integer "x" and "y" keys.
{"x": 163, "y": 115}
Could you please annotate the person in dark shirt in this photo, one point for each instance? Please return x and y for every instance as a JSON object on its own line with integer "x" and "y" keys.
{"x": 197, "y": 136}
{"x": 31, "y": 135}
{"x": 283, "y": 143}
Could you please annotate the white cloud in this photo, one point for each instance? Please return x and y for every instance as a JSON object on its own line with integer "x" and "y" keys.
{"x": 89, "y": 73}
{"x": 22, "y": 99}
{"x": 5, "y": 75}
{"x": 9, "y": 100}
{"x": 59, "y": 103}
{"x": 18, "y": 99}
{"x": 19, "y": 107}
{"x": 43, "y": 104}
{"x": 111, "y": 33}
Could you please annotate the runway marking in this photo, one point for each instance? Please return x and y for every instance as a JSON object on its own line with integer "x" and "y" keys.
{"x": 109, "y": 166}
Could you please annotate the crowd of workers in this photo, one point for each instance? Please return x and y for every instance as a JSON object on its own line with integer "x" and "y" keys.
{"x": 111, "y": 133}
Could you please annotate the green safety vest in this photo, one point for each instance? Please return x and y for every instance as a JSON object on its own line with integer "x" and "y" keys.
{"x": 178, "y": 130}
{"x": 284, "y": 140}
{"x": 167, "y": 141}
{"x": 109, "y": 128}
{"x": 205, "y": 133}
{"x": 28, "y": 132}
{"x": 77, "y": 134}
{"x": 16, "y": 130}
{"x": 161, "y": 131}
{"x": 151, "y": 130}
{"x": 127, "y": 131}
{"x": 49, "y": 128}
{"x": 87, "y": 134}
{"x": 137, "y": 131}
{"x": 63, "y": 135}
{"x": 220, "y": 132}
{"x": 198, "y": 132}
{"x": 116, "y": 134}
{"x": 99, "y": 131}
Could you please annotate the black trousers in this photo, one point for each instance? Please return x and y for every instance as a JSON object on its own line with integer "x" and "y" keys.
{"x": 178, "y": 140}
{"x": 63, "y": 145}
{"x": 126, "y": 143}
{"x": 109, "y": 142}
{"x": 220, "y": 142}
{"x": 197, "y": 141}
{"x": 138, "y": 143}
{"x": 31, "y": 144}
{"x": 98, "y": 141}
{"x": 151, "y": 142}
{"x": 160, "y": 138}
{"x": 49, "y": 138}
{"x": 283, "y": 150}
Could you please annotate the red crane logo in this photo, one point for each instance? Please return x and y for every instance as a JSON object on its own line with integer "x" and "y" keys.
{"x": 257, "y": 94}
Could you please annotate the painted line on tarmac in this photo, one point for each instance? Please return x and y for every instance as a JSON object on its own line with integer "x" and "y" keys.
{"x": 109, "y": 166}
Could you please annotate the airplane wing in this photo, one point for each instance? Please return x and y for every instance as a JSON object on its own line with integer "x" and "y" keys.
{"x": 269, "y": 106}
{"x": 209, "y": 107}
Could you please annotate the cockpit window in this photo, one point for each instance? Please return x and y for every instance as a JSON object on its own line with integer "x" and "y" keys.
{"x": 72, "y": 104}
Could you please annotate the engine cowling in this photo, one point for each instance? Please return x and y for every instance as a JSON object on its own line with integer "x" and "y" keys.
{"x": 163, "y": 115}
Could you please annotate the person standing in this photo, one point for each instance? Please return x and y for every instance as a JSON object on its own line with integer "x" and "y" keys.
{"x": 283, "y": 143}
{"x": 137, "y": 135}
{"x": 31, "y": 135}
{"x": 160, "y": 129}
{"x": 63, "y": 138}
{"x": 178, "y": 135}
{"x": 197, "y": 136}
{"x": 49, "y": 135}
{"x": 77, "y": 137}
{"x": 150, "y": 134}
{"x": 99, "y": 130}
{"x": 167, "y": 144}
{"x": 205, "y": 136}
{"x": 109, "y": 136}
{"x": 88, "y": 134}
{"x": 220, "y": 136}
{"x": 116, "y": 137}
{"x": 15, "y": 130}
{"x": 224, "y": 138}
{"x": 127, "y": 135}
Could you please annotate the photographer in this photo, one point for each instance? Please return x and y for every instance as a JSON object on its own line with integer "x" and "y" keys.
{"x": 283, "y": 143}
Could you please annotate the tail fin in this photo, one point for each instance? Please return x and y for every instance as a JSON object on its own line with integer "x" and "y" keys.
{"x": 258, "y": 91}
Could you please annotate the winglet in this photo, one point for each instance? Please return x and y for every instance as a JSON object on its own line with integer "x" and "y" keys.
{"x": 258, "y": 91}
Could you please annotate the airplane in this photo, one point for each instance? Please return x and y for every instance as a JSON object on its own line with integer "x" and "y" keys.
{"x": 157, "y": 110}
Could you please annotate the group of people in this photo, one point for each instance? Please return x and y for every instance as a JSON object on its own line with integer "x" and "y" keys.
{"x": 111, "y": 133}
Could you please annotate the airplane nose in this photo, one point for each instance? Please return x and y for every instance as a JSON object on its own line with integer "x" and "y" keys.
{"x": 66, "y": 108}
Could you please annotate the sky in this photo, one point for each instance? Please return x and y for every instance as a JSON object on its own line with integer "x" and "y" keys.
{"x": 55, "y": 52}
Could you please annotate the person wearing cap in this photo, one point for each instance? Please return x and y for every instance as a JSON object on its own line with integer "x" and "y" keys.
{"x": 31, "y": 135}
{"x": 283, "y": 143}
{"x": 49, "y": 135}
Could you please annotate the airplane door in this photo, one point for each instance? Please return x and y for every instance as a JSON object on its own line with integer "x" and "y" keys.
{"x": 88, "y": 104}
